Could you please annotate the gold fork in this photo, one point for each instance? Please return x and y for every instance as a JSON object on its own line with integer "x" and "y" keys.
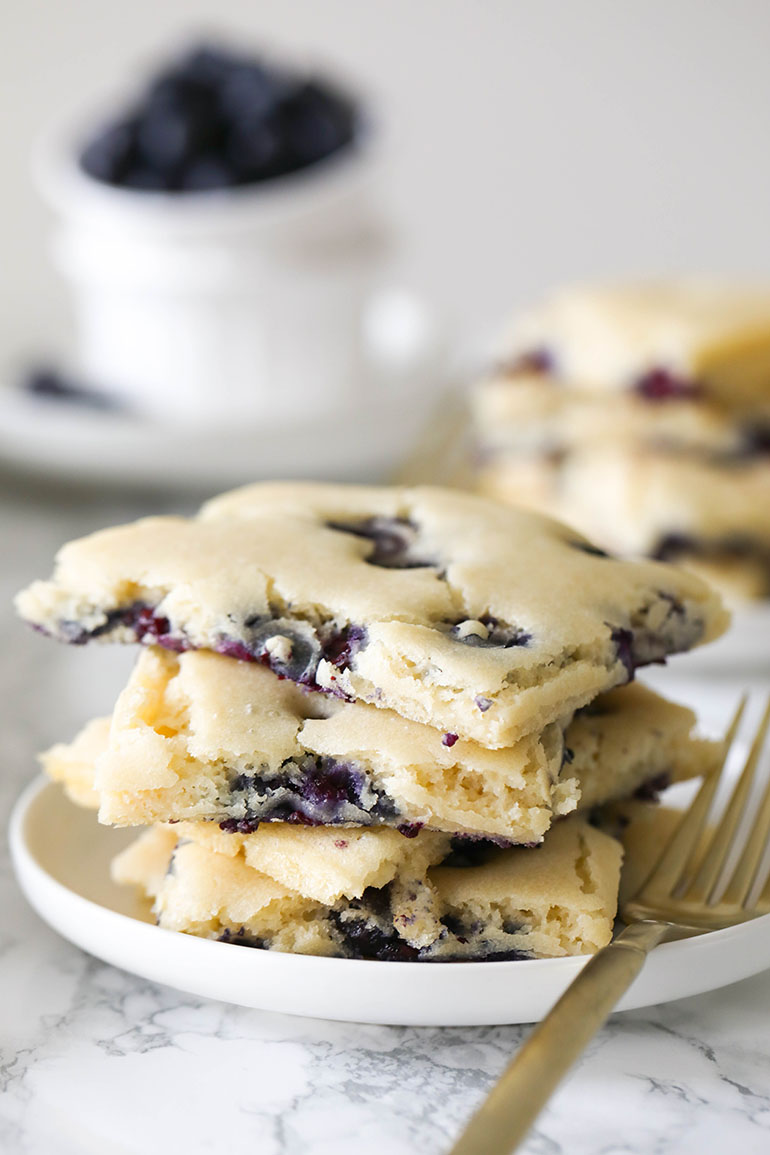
{"x": 681, "y": 897}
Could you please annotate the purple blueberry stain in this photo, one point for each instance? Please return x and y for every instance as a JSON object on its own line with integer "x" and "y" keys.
{"x": 466, "y": 853}
{"x": 495, "y": 634}
{"x": 155, "y": 629}
{"x": 232, "y": 649}
{"x": 240, "y": 938}
{"x": 343, "y": 645}
{"x": 365, "y": 939}
{"x": 449, "y": 739}
{"x": 410, "y": 829}
{"x": 293, "y": 649}
{"x": 394, "y": 541}
{"x": 313, "y": 791}
{"x": 483, "y": 704}
{"x": 239, "y": 825}
{"x": 589, "y": 548}
{"x": 365, "y": 929}
{"x": 672, "y": 546}
{"x": 538, "y": 361}
{"x": 68, "y": 631}
{"x": 455, "y": 927}
{"x": 328, "y": 785}
{"x": 290, "y": 648}
{"x": 660, "y": 385}
{"x": 623, "y": 640}
{"x": 142, "y": 620}
{"x": 507, "y": 956}
{"x": 651, "y": 790}
{"x": 677, "y": 607}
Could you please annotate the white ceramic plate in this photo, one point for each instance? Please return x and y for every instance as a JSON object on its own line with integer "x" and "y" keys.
{"x": 62, "y": 855}
{"x": 364, "y": 441}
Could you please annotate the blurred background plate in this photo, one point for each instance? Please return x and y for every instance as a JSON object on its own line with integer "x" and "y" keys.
{"x": 406, "y": 360}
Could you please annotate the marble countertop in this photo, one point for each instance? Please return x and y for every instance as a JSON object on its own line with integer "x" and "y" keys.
{"x": 95, "y": 1060}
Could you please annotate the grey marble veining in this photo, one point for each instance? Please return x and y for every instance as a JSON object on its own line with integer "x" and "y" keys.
{"x": 94, "y": 1060}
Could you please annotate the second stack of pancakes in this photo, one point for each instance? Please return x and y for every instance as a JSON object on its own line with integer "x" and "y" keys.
{"x": 640, "y": 413}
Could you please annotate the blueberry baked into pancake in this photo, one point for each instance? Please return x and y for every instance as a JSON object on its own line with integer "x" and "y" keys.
{"x": 460, "y": 613}
{"x": 641, "y": 415}
{"x": 198, "y": 736}
{"x": 374, "y": 723}
{"x": 420, "y": 899}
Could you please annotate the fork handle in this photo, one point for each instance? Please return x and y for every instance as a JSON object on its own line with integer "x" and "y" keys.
{"x": 528, "y": 1082}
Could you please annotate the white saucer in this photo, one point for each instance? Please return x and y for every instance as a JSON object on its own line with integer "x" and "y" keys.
{"x": 365, "y": 441}
{"x": 61, "y": 856}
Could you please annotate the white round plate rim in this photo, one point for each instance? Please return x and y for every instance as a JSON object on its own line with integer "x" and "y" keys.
{"x": 108, "y": 449}
{"x": 348, "y": 990}
{"x": 362, "y": 439}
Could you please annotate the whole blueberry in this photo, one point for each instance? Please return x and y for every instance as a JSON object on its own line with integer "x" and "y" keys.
{"x": 216, "y": 119}
{"x": 253, "y": 149}
{"x": 166, "y": 137}
{"x": 109, "y": 155}
{"x": 144, "y": 178}
{"x": 174, "y": 90}
{"x": 206, "y": 64}
{"x": 205, "y": 173}
{"x": 252, "y": 90}
{"x": 316, "y": 124}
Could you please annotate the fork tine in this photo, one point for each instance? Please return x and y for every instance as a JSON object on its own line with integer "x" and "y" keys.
{"x": 763, "y": 902}
{"x": 676, "y": 856}
{"x": 721, "y": 841}
{"x": 745, "y": 873}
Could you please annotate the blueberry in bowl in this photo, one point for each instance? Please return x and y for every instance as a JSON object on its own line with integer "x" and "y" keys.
{"x": 182, "y": 205}
{"x": 216, "y": 118}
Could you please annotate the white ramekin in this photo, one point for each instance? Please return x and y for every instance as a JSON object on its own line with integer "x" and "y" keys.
{"x": 245, "y": 304}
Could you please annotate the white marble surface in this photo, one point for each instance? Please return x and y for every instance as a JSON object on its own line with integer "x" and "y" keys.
{"x": 94, "y": 1060}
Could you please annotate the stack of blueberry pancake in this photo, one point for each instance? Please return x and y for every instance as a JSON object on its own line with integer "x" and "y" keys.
{"x": 641, "y": 415}
{"x": 374, "y": 722}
